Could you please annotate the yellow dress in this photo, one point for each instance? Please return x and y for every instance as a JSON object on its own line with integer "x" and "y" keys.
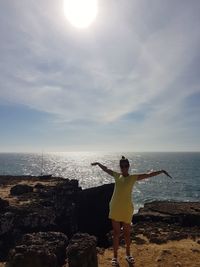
{"x": 121, "y": 206}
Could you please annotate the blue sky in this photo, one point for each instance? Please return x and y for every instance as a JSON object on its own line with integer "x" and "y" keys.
{"x": 129, "y": 82}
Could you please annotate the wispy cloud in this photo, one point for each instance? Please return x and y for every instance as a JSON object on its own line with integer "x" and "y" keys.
{"x": 138, "y": 58}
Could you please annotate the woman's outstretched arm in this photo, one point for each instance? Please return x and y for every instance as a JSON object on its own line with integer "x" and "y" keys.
{"x": 104, "y": 168}
{"x": 152, "y": 173}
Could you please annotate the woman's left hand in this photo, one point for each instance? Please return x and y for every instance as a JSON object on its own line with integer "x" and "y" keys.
{"x": 166, "y": 173}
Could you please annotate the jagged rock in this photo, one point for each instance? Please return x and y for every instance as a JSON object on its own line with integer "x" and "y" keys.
{"x": 53, "y": 208}
{"x": 63, "y": 197}
{"x": 3, "y": 204}
{"x": 161, "y": 232}
{"x": 43, "y": 249}
{"x": 66, "y": 206}
{"x": 63, "y": 206}
{"x": 38, "y": 218}
{"x": 8, "y": 233}
{"x": 81, "y": 251}
{"x": 18, "y": 221}
{"x": 39, "y": 186}
{"x": 7, "y": 222}
{"x": 161, "y": 221}
{"x": 45, "y": 177}
{"x": 139, "y": 241}
{"x": 184, "y": 213}
{"x": 93, "y": 210}
{"x": 20, "y": 189}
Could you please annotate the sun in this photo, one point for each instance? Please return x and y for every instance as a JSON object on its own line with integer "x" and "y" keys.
{"x": 80, "y": 13}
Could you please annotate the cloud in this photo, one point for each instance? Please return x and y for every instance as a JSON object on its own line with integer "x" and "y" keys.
{"x": 135, "y": 61}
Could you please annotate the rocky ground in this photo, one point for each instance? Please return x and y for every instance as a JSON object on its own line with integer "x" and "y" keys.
{"x": 164, "y": 234}
{"x": 182, "y": 253}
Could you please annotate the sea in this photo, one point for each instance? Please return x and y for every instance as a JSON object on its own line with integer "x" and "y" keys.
{"x": 184, "y": 167}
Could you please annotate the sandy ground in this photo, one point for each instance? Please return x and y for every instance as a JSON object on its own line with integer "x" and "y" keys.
{"x": 183, "y": 253}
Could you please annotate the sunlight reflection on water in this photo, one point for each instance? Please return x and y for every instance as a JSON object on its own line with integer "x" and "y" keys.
{"x": 184, "y": 167}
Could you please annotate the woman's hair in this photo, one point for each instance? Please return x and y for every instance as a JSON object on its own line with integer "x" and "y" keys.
{"x": 124, "y": 160}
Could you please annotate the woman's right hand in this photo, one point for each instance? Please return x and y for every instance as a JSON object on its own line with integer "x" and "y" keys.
{"x": 94, "y": 163}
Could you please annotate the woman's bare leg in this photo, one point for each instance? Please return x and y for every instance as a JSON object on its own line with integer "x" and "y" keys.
{"x": 116, "y": 234}
{"x": 127, "y": 237}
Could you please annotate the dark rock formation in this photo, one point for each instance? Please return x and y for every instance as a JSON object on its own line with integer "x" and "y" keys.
{"x": 39, "y": 186}
{"x": 52, "y": 208}
{"x": 48, "y": 176}
{"x": 43, "y": 249}
{"x": 3, "y": 204}
{"x": 18, "y": 221}
{"x": 20, "y": 189}
{"x": 183, "y": 213}
{"x": 62, "y": 206}
{"x": 65, "y": 204}
{"x": 81, "y": 251}
{"x": 93, "y": 210}
{"x": 160, "y": 221}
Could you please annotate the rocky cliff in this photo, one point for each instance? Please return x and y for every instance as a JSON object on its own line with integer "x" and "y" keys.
{"x": 35, "y": 204}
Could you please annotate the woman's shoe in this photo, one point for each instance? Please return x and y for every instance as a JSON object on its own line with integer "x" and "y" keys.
{"x": 130, "y": 259}
{"x": 114, "y": 262}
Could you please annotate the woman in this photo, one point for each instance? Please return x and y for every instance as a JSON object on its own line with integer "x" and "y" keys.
{"x": 121, "y": 207}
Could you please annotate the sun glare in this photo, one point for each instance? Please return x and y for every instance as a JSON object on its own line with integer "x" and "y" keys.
{"x": 80, "y": 13}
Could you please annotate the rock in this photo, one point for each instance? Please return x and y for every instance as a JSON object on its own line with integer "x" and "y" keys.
{"x": 20, "y": 189}
{"x": 7, "y": 222}
{"x": 64, "y": 207}
{"x": 43, "y": 249}
{"x": 45, "y": 177}
{"x": 3, "y": 204}
{"x": 161, "y": 232}
{"x": 100, "y": 250}
{"x": 158, "y": 259}
{"x": 163, "y": 254}
{"x": 18, "y": 221}
{"x": 65, "y": 197}
{"x": 39, "y": 186}
{"x": 38, "y": 218}
{"x": 139, "y": 241}
{"x": 195, "y": 250}
{"x": 7, "y": 233}
{"x": 161, "y": 221}
{"x": 184, "y": 213}
{"x": 178, "y": 264}
{"x": 166, "y": 251}
{"x": 52, "y": 208}
{"x": 81, "y": 251}
{"x": 93, "y": 210}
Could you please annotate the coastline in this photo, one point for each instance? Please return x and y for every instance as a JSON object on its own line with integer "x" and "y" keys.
{"x": 163, "y": 233}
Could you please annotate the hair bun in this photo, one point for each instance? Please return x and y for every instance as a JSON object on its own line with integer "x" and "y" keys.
{"x": 124, "y": 160}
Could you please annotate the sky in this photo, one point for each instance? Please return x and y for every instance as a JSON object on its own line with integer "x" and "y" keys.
{"x": 128, "y": 82}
